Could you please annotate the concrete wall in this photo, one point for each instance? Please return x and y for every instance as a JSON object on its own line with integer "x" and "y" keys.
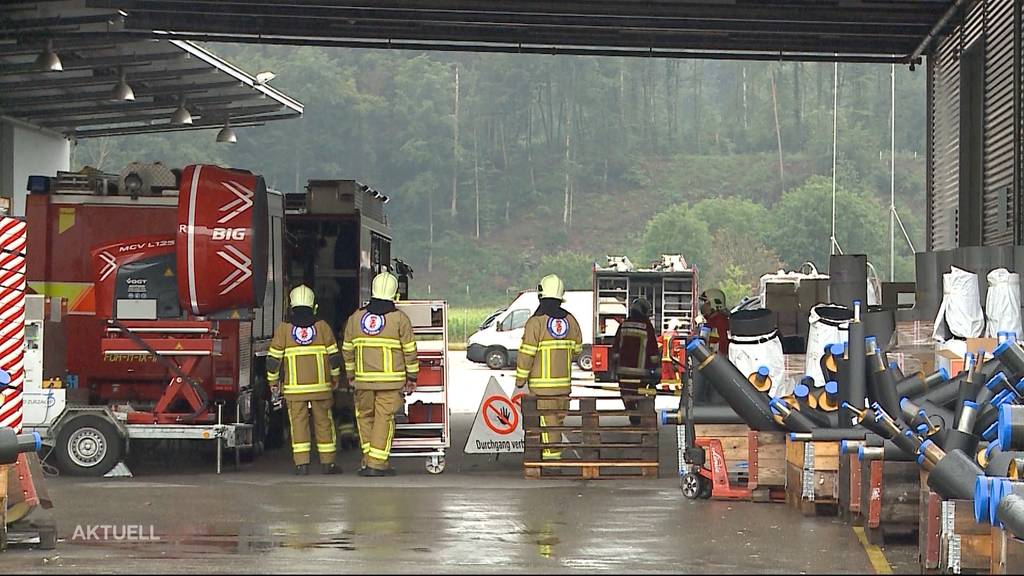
{"x": 25, "y": 151}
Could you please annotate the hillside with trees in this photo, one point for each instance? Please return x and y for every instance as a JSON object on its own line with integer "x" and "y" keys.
{"x": 505, "y": 167}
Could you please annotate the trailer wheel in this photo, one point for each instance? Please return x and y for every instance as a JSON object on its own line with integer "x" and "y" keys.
{"x": 496, "y": 359}
{"x": 585, "y": 361}
{"x": 88, "y": 446}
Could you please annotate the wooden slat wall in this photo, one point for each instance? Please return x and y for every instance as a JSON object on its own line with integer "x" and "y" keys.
{"x": 944, "y": 71}
{"x": 999, "y": 202}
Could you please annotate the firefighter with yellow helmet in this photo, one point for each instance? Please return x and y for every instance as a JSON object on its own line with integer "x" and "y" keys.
{"x": 307, "y": 352}
{"x": 715, "y": 315}
{"x": 381, "y": 363}
{"x": 551, "y": 339}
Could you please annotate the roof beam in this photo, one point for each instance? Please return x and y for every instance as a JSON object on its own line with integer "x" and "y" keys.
{"x": 207, "y": 112}
{"x": 98, "y": 78}
{"x": 128, "y": 107}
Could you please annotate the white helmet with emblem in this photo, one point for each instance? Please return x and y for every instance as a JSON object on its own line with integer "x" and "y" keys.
{"x": 385, "y": 287}
{"x": 301, "y": 295}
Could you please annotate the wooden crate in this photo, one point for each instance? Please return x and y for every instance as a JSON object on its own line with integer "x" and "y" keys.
{"x": 965, "y": 547}
{"x": 812, "y": 476}
{"x": 1007, "y": 553}
{"x": 890, "y": 495}
{"x": 594, "y": 449}
{"x": 849, "y": 489}
{"x": 929, "y": 527}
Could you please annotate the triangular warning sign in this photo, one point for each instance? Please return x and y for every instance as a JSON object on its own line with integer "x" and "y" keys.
{"x": 498, "y": 426}
{"x": 168, "y": 273}
{"x": 235, "y": 315}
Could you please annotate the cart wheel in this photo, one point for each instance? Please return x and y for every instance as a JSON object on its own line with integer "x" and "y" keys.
{"x": 691, "y": 486}
{"x": 435, "y": 464}
{"x": 705, "y": 488}
{"x": 48, "y": 539}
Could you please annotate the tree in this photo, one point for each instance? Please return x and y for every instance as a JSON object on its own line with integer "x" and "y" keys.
{"x": 733, "y": 214}
{"x": 678, "y": 230}
{"x": 575, "y": 270}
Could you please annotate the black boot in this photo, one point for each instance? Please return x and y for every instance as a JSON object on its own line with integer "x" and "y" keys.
{"x": 372, "y": 472}
{"x": 330, "y": 469}
{"x": 302, "y": 470}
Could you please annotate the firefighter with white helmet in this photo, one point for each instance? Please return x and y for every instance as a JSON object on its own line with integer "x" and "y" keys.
{"x": 381, "y": 363}
{"x": 551, "y": 339}
{"x": 307, "y": 352}
{"x": 715, "y": 316}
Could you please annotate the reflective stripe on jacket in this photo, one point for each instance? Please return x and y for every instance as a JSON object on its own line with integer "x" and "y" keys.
{"x": 380, "y": 350}
{"x": 310, "y": 359}
{"x": 636, "y": 344}
{"x": 546, "y": 353}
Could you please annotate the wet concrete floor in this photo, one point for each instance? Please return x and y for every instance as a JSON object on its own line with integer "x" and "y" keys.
{"x": 479, "y": 516}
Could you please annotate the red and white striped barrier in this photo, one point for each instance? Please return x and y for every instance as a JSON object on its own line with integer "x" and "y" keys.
{"x": 13, "y": 239}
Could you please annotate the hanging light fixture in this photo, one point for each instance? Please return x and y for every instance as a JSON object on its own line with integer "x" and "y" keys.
{"x": 227, "y": 134}
{"x": 122, "y": 91}
{"x": 48, "y": 61}
{"x": 181, "y": 116}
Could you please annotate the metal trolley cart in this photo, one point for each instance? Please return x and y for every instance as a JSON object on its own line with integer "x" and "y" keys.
{"x": 425, "y": 431}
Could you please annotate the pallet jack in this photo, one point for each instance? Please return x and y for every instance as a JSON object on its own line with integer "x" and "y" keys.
{"x": 701, "y": 481}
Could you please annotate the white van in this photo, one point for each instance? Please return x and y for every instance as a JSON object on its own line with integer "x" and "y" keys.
{"x": 496, "y": 341}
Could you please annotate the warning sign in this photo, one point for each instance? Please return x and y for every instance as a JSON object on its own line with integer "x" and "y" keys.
{"x": 498, "y": 427}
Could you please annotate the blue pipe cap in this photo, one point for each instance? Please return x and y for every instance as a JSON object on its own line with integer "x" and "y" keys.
{"x": 920, "y": 459}
{"x": 837, "y": 349}
{"x": 995, "y": 380}
{"x": 894, "y": 365}
{"x": 981, "y": 499}
{"x": 693, "y": 345}
{"x": 870, "y": 340}
{"x": 801, "y": 391}
{"x": 39, "y": 441}
{"x": 1005, "y": 428}
{"x": 995, "y": 489}
{"x": 970, "y": 404}
{"x": 921, "y": 428}
{"x": 944, "y": 373}
{"x": 763, "y": 371}
{"x": 903, "y": 402}
{"x": 663, "y": 417}
{"x": 1000, "y": 398}
{"x": 908, "y": 433}
{"x": 843, "y": 446}
{"x": 989, "y": 449}
{"x": 1020, "y": 385}
{"x": 1002, "y": 348}
{"x": 831, "y": 387}
{"x": 860, "y": 452}
{"x": 991, "y": 433}
{"x": 792, "y": 436}
{"x": 923, "y": 445}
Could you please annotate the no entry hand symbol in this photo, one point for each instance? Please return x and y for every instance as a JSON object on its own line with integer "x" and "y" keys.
{"x": 500, "y": 415}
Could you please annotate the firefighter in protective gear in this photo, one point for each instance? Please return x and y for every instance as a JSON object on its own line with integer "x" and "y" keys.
{"x": 715, "y": 316}
{"x": 381, "y": 363}
{"x": 639, "y": 361}
{"x": 551, "y": 339}
{"x": 307, "y": 352}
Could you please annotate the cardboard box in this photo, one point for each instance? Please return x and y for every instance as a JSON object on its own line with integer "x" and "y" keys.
{"x": 950, "y": 355}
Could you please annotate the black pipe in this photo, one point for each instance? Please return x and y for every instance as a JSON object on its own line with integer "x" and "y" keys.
{"x": 919, "y": 383}
{"x": 999, "y": 462}
{"x": 1010, "y": 513}
{"x": 959, "y": 440}
{"x": 801, "y": 392}
{"x": 856, "y": 386}
{"x": 714, "y": 414}
{"x": 953, "y": 476}
{"x": 885, "y": 385}
{"x": 1011, "y": 354}
{"x": 1011, "y": 427}
{"x": 12, "y": 444}
{"x": 866, "y": 418}
{"x": 830, "y": 434}
{"x": 888, "y": 451}
{"x": 906, "y": 441}
{"x": 915, "y": 413}
{"x": 793, "y": 420}
{"x": 750, "y": 404}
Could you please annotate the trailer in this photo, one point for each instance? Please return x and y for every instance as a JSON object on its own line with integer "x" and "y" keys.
{"x": 160, "y": 292}
{"x": 671, "y": 288}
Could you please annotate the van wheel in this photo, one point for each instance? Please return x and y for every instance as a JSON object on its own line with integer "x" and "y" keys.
{"x": 496, "y": 359}
{"x": 88, "y": 446}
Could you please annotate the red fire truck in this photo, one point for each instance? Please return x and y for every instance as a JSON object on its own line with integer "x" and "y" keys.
{"x": 170, "y": 285}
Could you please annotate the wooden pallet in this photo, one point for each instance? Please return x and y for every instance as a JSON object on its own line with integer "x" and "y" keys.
{"x": 1007, "y": 553}
{"x": 929, "y": 527}
{"x": 889, "y": 497}
{"x": 965, "y": 547}
{"x": 595, "y": 449}
{"x": 812, "y": 477}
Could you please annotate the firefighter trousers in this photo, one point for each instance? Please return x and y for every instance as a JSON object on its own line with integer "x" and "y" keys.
{"x": 631, "y": 391}
{"x": 558, "y": 402}
{"x": 375, "y": 418}
{"x": 323, "y": 425}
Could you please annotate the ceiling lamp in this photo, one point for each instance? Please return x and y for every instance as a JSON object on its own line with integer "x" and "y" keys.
{"x": 48, "y": 61}
{"x": 226, "y": 134}
{"x": 181, "y": 116}
{"x": 123, "y": 92}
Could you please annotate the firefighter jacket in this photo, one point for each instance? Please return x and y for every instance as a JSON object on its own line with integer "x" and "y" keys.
{"x": 310, "y": 359}
{"x": 545, "y": 356}
{"x": 636, "y": 345}
{"x": 718, "y": 323}
{"x": 379, "y": 349}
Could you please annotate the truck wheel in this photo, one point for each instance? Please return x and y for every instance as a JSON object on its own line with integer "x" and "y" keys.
{"x": 585, "y": 361}
{"x": 496, "y": 359}
{"x": 88, "y": 446}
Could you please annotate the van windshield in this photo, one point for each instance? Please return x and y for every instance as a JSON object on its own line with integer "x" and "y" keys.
{"x": 491, "y": 318}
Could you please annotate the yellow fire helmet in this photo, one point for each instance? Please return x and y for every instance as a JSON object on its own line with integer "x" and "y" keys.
{"x": 551, "y": 286}
{"x": 714, "y": 299}
{"x": 301, "y": 295}
{"x": 385, "y": 287}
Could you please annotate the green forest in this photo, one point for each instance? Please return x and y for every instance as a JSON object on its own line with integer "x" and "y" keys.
{"x": 503, "y": 168}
